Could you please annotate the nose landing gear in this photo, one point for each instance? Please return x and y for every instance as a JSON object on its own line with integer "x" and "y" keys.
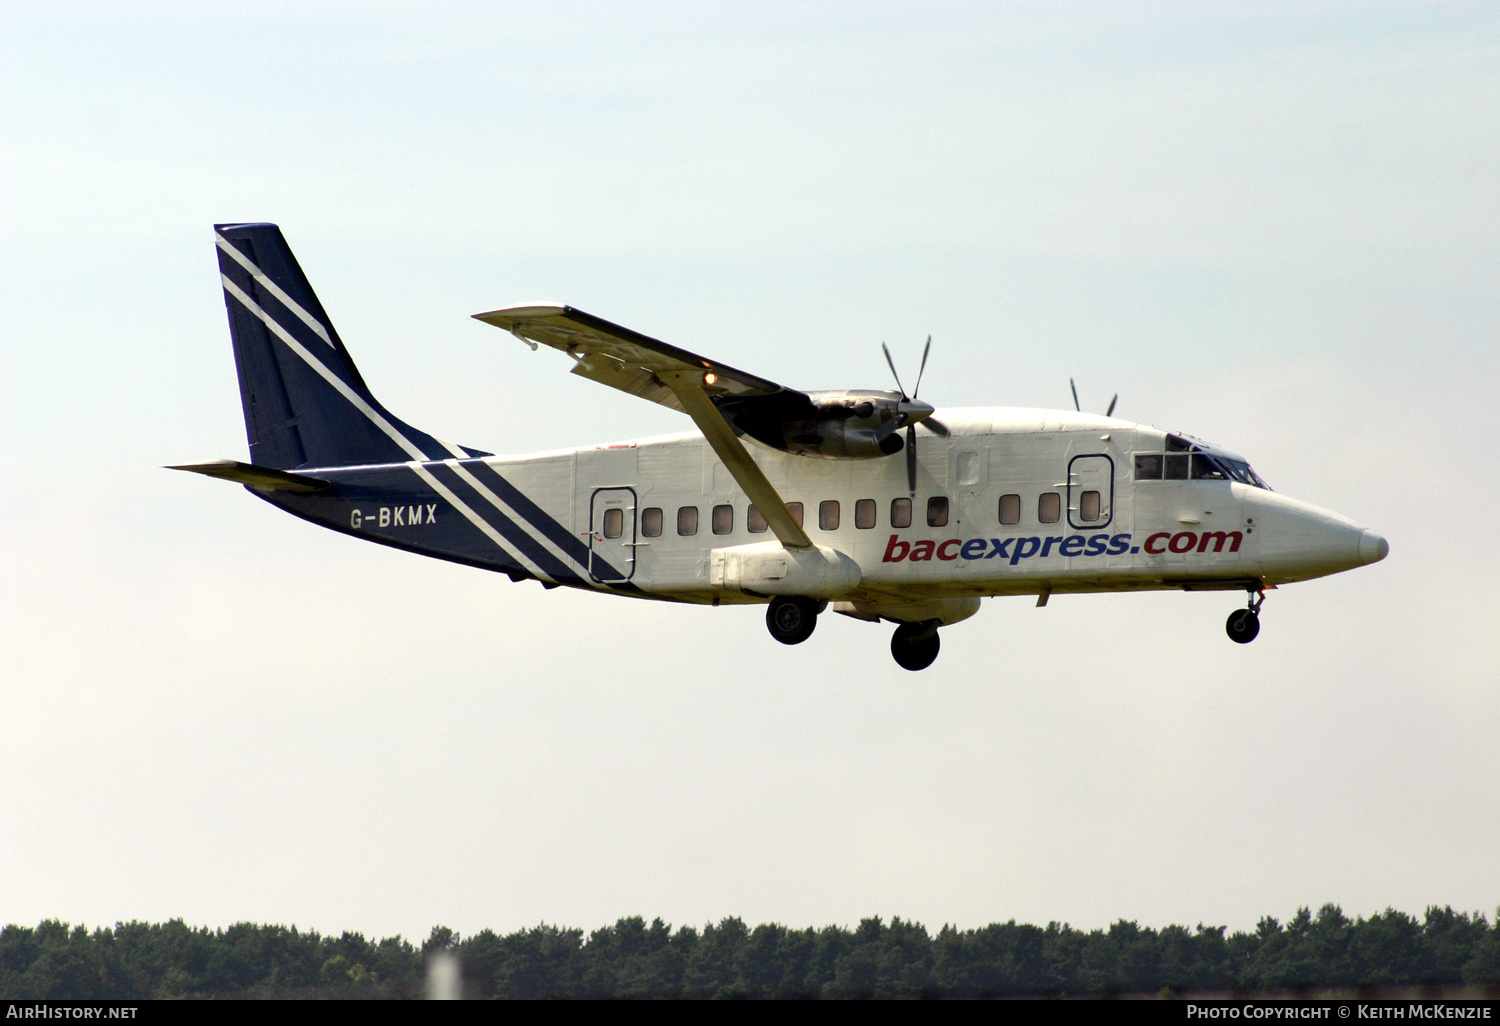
{"x": 1244, "y": 624}
{"x": 792, "y": 619}
{"x": 915, "y": 645}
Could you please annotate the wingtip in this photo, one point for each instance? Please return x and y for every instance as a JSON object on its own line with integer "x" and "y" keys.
{"x": 524, "y": 311}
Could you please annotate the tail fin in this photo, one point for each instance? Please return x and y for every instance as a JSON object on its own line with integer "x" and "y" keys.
{"x": 305, "y": 403}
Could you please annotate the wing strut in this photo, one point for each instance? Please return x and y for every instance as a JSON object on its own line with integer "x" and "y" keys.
{"x": 688, "y": 387}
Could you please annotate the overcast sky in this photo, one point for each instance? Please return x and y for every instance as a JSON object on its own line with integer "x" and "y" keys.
{"x": 1276, "y": 226}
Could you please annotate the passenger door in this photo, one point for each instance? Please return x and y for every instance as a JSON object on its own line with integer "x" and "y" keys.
{"x": 612, "y": 540}
{"x": 1091, "y": 492}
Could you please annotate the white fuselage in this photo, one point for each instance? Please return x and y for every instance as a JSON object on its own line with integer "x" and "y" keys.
{"x": 1013, "y": 502}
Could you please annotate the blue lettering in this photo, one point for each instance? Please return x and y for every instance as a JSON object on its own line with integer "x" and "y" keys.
{"x": 1096, "y": 545}
{"x": 999, "y": 548}
{"x": 1025, "y": 549}
{"x": 1072, "y": 546}
{"x": 1047, "y": 548}
{"x": 1118, "y": 544}
{"x": 973, "y": 548}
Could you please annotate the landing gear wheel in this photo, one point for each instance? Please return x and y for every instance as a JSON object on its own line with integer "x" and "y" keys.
{"x": 1243, "y": 626}
{"x": 915, "y": 645}
{"x": 792, "y": 620}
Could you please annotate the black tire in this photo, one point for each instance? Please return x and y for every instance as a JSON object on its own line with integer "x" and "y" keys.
{"x": 1242, "y": 626}
{"x": 792, "y": 621}
{"x": 914, "y": 646}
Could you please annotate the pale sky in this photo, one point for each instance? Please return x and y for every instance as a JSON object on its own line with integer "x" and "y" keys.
{"x": 1275, "y": 226}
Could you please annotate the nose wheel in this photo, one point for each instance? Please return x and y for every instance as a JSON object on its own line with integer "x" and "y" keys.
{"x": 792, "y": 619}
{"x": 915, "y": 645}
{"x": 1244, "y": 624}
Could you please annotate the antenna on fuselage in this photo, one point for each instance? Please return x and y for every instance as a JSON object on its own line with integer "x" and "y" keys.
{"x": 1112, "y": 400}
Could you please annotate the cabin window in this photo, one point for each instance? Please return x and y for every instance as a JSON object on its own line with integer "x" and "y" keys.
{"x": 1049, "y": 507}
{"x": 795, "y": 509}
{"x": 687, "y": 520}
{"x": 755, "y": 520}
{"x": 1010, "y": 509}
{"x": 937, "y": 511}
{"x": 614, "y": 522}
{"x": 864, "y": 514}
{"x": 651, "y": 522}
{"x": 1088, "y": 506}
{"x": 900, "y": 512}
{"x": 1175, "y": 466}
{"x": 1205, "y": 469}
{"x": 722, "y": 519}
{"x": 1148, "y": 467}
{"x": 828, "y": 515}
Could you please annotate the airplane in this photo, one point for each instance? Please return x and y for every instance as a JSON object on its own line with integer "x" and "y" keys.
{"x": 868, "y": 500}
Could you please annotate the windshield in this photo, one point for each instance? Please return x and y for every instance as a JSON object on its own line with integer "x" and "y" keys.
{"x": 1241, "y": 472}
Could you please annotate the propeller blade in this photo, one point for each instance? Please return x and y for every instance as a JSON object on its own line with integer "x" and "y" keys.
{"x": 922, "y": 369}
{"x": 1111, "y": 411}
{"x": 937, "y": 427}
{"x": 892, "y": 365}
{"x": 911, "y": 460}
{"x": 1074, "y": 387}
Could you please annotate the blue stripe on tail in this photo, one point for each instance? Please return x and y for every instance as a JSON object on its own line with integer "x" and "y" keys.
{"x": 304, "y": 400}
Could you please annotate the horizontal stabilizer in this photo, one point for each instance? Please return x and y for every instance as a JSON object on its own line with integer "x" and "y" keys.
{"x": 264, "y": 478}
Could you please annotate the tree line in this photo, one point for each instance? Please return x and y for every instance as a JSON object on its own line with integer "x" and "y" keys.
{"x": 636, "y": 959}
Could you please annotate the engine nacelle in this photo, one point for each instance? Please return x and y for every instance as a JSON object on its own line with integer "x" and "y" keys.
{"x": 845, "y": 425}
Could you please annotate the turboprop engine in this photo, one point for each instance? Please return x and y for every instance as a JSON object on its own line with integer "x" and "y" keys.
{"x": 851, "y": 424}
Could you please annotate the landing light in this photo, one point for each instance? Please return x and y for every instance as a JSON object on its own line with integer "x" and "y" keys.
{"x": 710, "y": 378}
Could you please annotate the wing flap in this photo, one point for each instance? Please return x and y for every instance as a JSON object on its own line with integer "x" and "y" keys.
{"x": 638, "y": 382}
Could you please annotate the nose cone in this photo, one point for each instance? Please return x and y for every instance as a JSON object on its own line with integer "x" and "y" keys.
{"x": 1299, "y": 541}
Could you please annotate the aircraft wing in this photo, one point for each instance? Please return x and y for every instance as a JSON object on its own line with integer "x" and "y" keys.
{"x": 676, "y": 378}
{"x": 619, "y": 357}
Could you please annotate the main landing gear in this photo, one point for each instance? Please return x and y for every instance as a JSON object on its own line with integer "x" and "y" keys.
{"x": 1244, "y": 624}
{"x": 792, "y": 619}
{"x": 915, "y": 645}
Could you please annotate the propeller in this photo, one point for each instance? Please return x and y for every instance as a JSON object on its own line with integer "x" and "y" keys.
{"x": 913, "y": 412}
{"x": 1108, "y": 413}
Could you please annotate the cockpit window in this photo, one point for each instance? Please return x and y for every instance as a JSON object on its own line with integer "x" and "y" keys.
{"x": 1197, "y": 466}
{"x": 1205, "y": 469}
{"x": 1241, "y": 472}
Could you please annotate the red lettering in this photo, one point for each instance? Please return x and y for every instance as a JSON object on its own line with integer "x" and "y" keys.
{"x": 940, "y": 548}
{"x": 921, "y": 552}
{"x": 1187, "y": 538}
{"x": 1219, "y": 538}
{"x": 1153, "y": 540}
{"x": 895, "y": 550}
